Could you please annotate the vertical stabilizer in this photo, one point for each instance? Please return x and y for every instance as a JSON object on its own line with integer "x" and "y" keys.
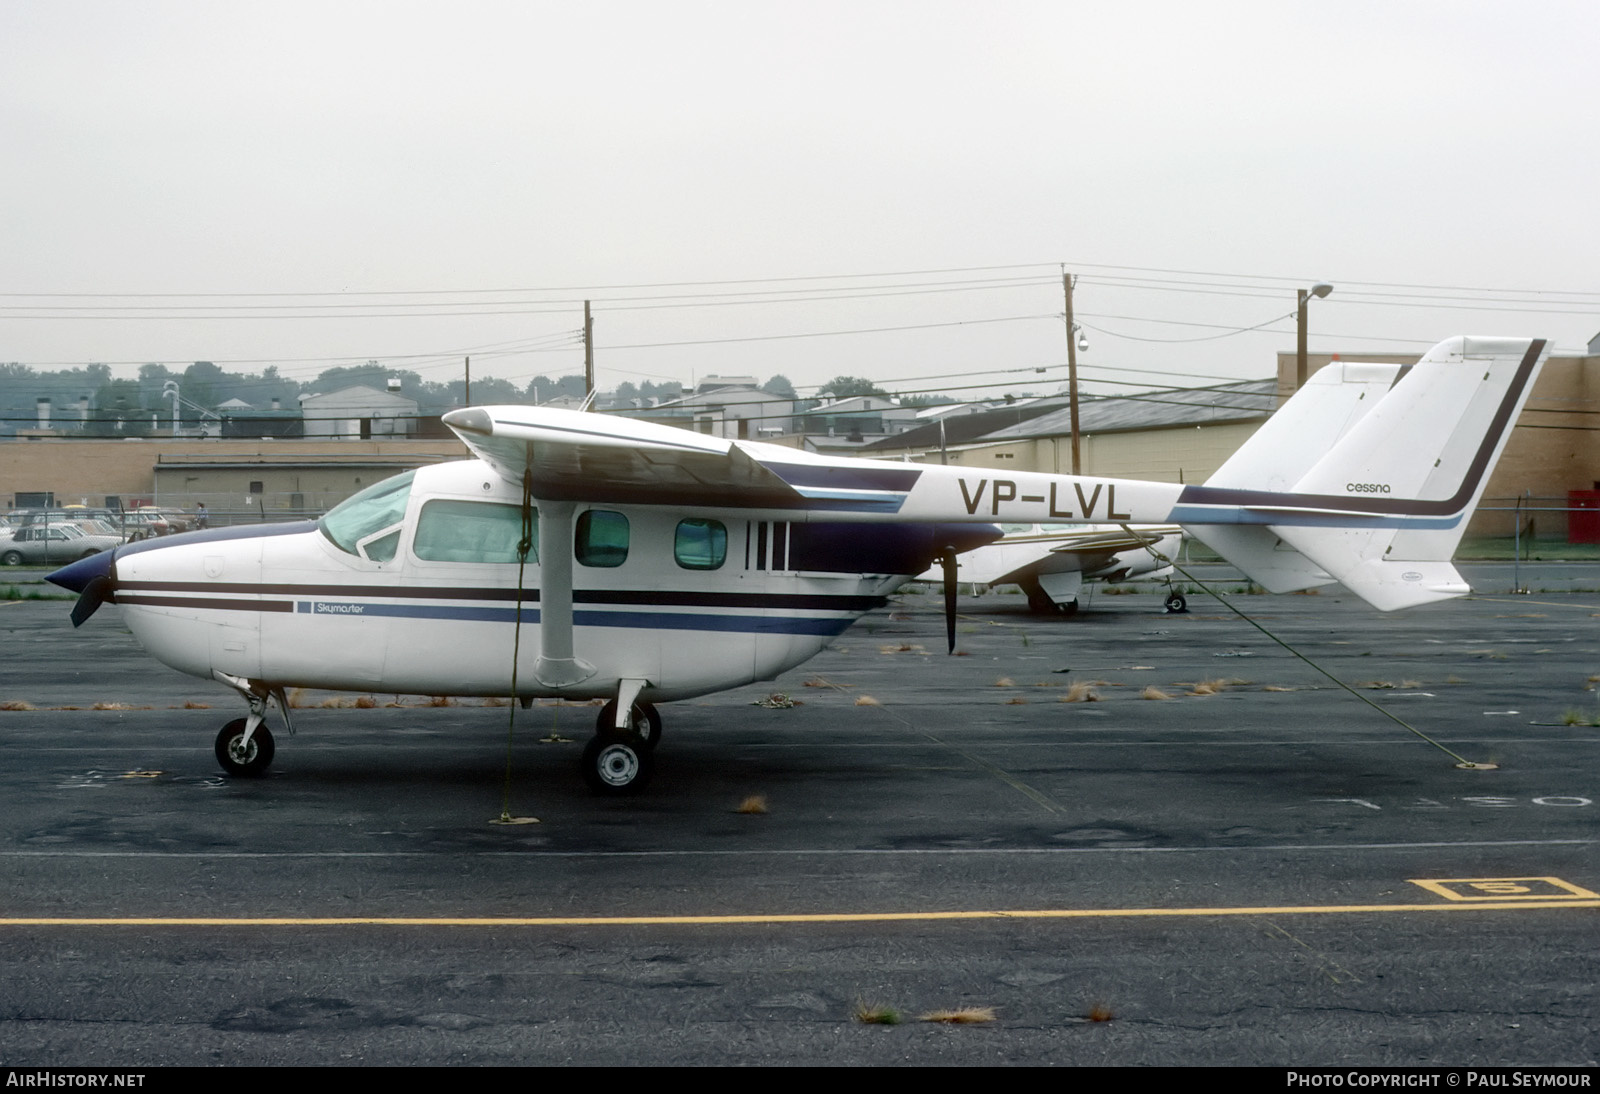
{"x": 1279, "y": 454}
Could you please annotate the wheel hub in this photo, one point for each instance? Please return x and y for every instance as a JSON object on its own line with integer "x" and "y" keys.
{"x": 618, "y": 765}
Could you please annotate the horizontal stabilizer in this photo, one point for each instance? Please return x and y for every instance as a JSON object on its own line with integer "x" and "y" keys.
{"x": 1270, "y": 563}
{"x": 1390, "y": 586}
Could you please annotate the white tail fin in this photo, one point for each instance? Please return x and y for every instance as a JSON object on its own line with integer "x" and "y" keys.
{"x": 1279, "y": 455}
{"x": 1384, "y": 507}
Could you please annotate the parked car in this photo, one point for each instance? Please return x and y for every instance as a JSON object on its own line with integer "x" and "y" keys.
{"x": 101, "y": 527}
{"x": 147, "y": 521}
{"x": 54, "y": 543}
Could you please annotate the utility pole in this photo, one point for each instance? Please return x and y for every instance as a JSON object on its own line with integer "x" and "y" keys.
{"x": 466, "y": 395}
{"x": 1300, "y": 339}
{"x": 588, "y": 351}
{"x": 1072, "y": 372}
{"x": 1302, "y": 297}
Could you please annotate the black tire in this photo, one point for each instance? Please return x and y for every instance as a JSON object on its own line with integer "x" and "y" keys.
{"x": 617, "y": 764}
{"x": 646, "y": 722}
{"x": 1039, "y": 601}
{"x": 1068, "y": 608}
{"x": 1176, "y": 603}
{"x": 88, "y": 554}
{"x": 257, "y": 756}
{"x": 11, "y": 558}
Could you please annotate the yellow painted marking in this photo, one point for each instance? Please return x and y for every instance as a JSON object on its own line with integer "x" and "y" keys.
{"x": 1503, "y": 888}
{"x": 741, "y": 920}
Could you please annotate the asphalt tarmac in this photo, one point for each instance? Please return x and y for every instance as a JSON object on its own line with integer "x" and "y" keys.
{"x": 1271, "y": 873}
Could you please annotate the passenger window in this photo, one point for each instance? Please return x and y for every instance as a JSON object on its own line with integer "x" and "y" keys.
{"x": 601, "y": 538}
{"x": 472, "y": 531}
{"x": 700, "y": 544}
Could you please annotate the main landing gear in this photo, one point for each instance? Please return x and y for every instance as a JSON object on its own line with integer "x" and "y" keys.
{"x": 620, "y": 761}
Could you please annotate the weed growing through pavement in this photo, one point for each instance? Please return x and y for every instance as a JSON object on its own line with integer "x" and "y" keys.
{"x": 876, "y": 1014}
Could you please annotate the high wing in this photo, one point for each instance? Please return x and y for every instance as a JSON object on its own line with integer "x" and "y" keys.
{"x": 589, "y": 457}
{"x": 574, "y": 456}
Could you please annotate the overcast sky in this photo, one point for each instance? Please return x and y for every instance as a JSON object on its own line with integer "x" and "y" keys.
{"x": 508, "y": 160}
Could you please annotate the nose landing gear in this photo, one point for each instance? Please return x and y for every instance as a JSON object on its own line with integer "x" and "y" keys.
{"x": 245, "y": 746}
{"x": 242, "y": 754}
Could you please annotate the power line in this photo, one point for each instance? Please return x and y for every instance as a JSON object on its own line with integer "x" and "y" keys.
{"x": 568, "y": 288}
{"x": 829, "y": 333}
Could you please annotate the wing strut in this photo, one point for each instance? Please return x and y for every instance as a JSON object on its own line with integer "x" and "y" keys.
{"x": 558, "y": 666}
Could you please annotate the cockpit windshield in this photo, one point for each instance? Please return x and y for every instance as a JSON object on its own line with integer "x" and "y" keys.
{"x": 379, "y": 506}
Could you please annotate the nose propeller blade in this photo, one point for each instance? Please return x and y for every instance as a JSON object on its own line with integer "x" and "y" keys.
{"x": 94, "y": 579}
{"x": 94, "y": 594}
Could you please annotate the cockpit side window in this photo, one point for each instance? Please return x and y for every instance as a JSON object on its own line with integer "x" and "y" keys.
{"x": 379, "y": 506}
{"x": 381, "y": 548}
{"x": 471, "y": 531}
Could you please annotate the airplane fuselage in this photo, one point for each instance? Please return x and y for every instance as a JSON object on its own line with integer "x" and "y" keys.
{"x": 416, "y": 586}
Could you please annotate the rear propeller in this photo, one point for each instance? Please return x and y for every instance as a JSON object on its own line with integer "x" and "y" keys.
{"x": 947, "y": 562}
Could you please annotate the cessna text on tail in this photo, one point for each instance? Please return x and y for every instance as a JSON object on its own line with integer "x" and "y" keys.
{"x": 640, "y": 563}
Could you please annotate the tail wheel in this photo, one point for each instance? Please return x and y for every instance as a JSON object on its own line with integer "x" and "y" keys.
{"x": 244, "y": 759}
{"x": 1176, "y": 603}
{"x": 644, "y": 722}
{"x": 617, "y": 764}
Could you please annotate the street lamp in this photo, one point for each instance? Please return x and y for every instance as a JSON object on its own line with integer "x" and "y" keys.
{"x": 1320, "y": 289}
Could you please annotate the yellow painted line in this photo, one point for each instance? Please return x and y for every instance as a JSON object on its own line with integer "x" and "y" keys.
{"x": 757, "y": 920}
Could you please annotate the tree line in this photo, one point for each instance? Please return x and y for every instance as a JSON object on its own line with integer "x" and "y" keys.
{"x": 131, "y": 406}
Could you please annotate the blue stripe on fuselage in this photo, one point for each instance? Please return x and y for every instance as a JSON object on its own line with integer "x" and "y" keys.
{"x": 670, "y": 621}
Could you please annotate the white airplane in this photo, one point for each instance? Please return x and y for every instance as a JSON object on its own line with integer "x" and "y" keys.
{"x": 589, "y": 557}
{"x": 1051, "y": 562}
